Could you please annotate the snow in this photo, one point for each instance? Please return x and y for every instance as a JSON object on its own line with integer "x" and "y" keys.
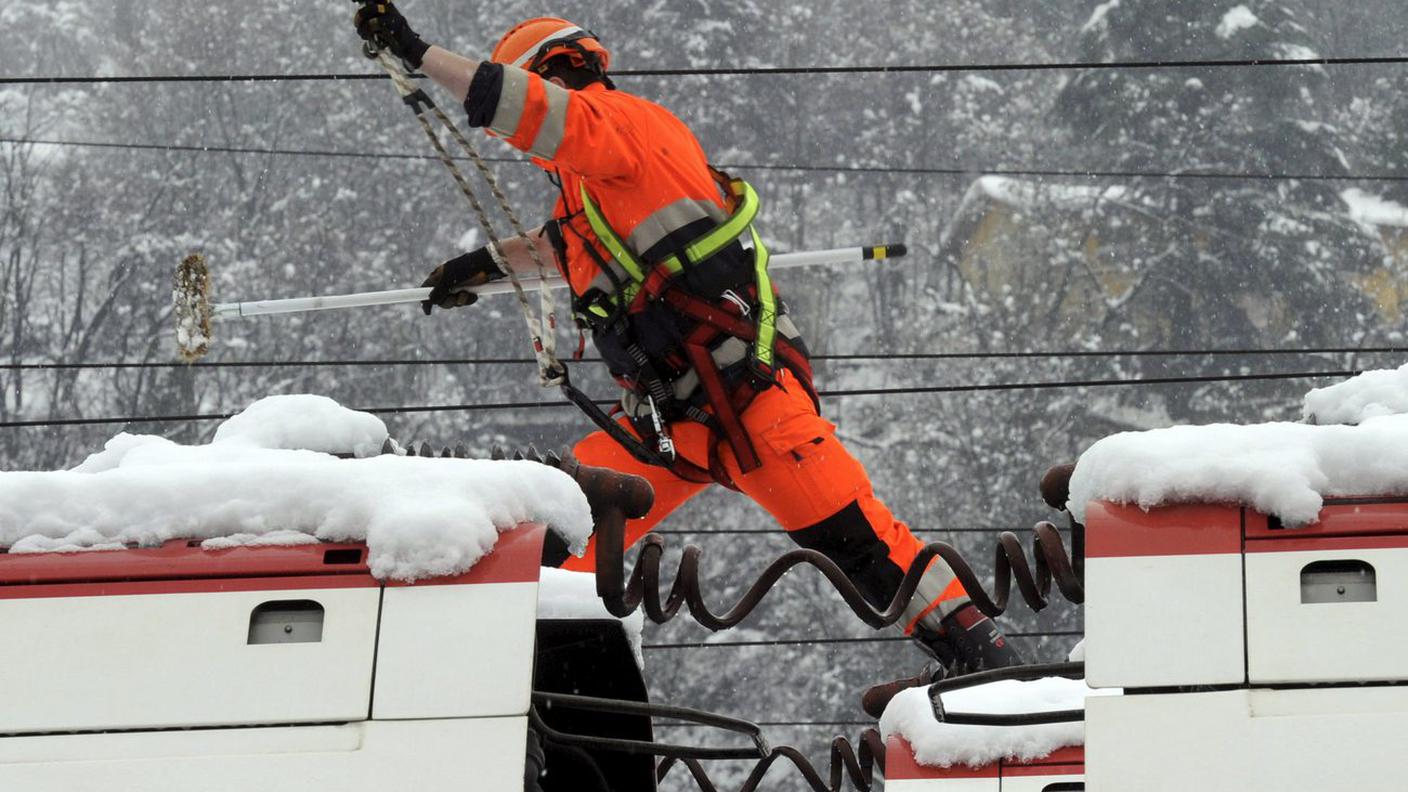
{"x": 271, "y": 539}
{"x": 1282, "y": 469}
{"x": 1077, "y": 653}
{"x": 1371, "y": 210}
{"x": 420, "y": 517}
{"x": 1237, "y": 18}
{"x": 572, "y": 595}
{"x": 1297, "y": 52}
{"x": 1025, "y": 194}
{"x": 1372, "y": 394}
{"x": 911, "y": 715}
{"x": 1097, "y": 17}
{"x": 470, "y": 240}
{"x": 979, "y": 83}
{"x": 306, "y": 422}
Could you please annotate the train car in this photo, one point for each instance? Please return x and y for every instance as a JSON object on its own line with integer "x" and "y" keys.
{"x": 1274, "y": 655}
{"x": 269, "y": 668}
{"x": 1250, "y": 656}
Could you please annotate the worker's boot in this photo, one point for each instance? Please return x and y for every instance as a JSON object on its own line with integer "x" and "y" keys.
{"x": 966, "y": 642}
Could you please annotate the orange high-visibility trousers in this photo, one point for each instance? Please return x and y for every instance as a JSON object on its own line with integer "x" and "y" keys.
{"x": 809, "y": 482}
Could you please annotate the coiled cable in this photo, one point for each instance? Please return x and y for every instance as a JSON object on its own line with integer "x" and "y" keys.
{"x": 645, "y": 589}
{"x": 847, "y": 762}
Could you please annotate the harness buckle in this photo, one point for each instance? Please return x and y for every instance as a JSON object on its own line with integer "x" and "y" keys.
{"x": 664, "y": 444}
{"x": 744, "y": 308}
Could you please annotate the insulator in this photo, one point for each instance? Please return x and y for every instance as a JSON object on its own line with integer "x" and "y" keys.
{"x": 461, "y": 451}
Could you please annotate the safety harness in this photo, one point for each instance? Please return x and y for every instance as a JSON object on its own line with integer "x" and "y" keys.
{"x": 718, "y": 324}
{"x": 710, "y": 346}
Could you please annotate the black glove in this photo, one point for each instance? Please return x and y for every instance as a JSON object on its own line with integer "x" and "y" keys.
{"x": 382, "y": 24}
{"x": 474, "y": 268}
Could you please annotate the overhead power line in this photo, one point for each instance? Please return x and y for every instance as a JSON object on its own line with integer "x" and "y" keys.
{"x": 848, "y": 358}
{"x": 959, "y": 171}
{"x": 938, "y": 389}
{"x": 938, "y": 68}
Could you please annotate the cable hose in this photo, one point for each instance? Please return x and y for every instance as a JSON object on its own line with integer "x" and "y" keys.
{"x": 847, "y": 762}
{"x": 1052, "y": 564}
{"x": 616, "y": 497}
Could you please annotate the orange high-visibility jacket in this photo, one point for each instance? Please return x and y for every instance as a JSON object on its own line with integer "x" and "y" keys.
{"x": 641, "y": 165}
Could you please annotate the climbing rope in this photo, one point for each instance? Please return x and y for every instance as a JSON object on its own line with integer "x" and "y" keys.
{"x": 541, "y": 327}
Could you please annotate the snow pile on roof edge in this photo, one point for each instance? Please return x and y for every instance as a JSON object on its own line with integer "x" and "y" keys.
{"x": 1372, "y": 394}
{"x": 1282, "y": 469}
{"x": 911, "y": 715}
{"x": 420, "y": 517}
{"x": 307, "y": 423}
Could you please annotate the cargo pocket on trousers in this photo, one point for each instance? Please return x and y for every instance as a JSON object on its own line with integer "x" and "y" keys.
{"x": 799, "y": 438}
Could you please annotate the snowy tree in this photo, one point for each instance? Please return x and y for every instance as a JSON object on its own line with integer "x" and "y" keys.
{"x": 1249, "y": 255}
{"x": 1220, "y": 261}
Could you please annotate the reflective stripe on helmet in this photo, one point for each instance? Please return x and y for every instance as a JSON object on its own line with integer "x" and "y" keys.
{"x": 532, "y": 51}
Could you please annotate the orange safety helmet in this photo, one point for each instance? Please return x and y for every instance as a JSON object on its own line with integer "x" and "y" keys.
{"x": 535, "y": 42}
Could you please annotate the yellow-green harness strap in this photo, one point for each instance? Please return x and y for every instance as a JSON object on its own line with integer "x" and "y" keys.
{"x": 699, "y": 251}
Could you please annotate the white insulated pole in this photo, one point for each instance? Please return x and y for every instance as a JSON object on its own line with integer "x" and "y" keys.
{"x": 331, "y": 302}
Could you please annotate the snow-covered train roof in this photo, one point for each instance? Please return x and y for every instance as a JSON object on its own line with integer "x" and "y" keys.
{"x": 269, "y": 477}
{"x": 1282, "y": 469}
{"x": 910, "y": 715}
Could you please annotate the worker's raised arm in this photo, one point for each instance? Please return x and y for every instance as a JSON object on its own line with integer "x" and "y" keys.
{"x": 574, "y": 129}
{"x": 580, "y": 131}
{"x": 452, "y": 72}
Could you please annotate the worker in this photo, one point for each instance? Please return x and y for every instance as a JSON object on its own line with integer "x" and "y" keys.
{"x": 669, "y": 277}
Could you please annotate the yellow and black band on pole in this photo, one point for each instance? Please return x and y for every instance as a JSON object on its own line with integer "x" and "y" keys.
{"x": 882, "y": 252}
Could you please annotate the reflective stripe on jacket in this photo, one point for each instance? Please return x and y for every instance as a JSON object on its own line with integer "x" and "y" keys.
{"x": 641, "y": 164}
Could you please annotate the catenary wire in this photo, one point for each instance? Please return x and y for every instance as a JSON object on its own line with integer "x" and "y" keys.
{"x": 858, "y": 357}
{"x": 744, "y": 166}
{"x": 995, "y": 387}
{"x": 939, "y": 68}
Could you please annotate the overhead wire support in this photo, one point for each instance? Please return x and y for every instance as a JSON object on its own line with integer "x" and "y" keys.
{"x": 938, "y": 389}
{"x": 939, "y": 68}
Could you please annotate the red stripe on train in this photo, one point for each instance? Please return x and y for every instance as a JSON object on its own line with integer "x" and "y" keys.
{"x": 1115, "y": 531}
{"x": 178, "y": 568}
